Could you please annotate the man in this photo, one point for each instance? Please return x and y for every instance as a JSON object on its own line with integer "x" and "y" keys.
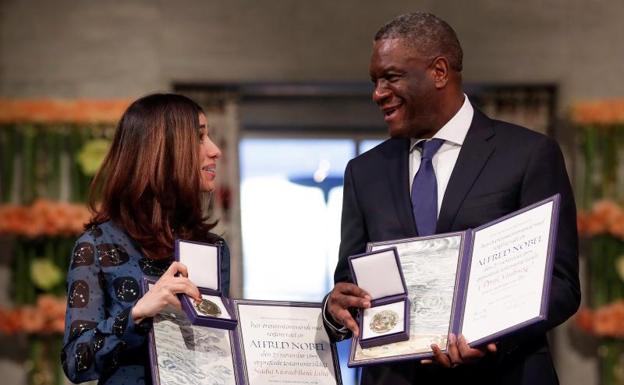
{"x": 448, "y": 167}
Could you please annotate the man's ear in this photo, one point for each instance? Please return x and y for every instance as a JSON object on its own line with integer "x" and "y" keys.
{"x": 440, "y": 71}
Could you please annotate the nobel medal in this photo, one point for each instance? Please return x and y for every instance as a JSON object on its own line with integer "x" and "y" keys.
{"x": 384, "y": 321}
{"x": 207, "y": 307}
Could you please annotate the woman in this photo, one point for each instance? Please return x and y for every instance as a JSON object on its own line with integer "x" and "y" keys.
{"x": 149, "y": 193}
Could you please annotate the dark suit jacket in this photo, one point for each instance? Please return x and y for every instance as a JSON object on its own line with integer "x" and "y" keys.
{"x": 501, "y": 168}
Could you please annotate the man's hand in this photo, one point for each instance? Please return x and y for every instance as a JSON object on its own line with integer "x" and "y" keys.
{"x": 345, "y": 296}
{"x": 458, "y": 352}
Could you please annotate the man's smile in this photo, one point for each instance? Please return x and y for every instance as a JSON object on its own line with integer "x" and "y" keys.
{"x": 390, "y": 112}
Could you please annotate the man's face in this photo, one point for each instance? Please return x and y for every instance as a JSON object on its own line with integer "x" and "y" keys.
{"x": 404, "y": 89}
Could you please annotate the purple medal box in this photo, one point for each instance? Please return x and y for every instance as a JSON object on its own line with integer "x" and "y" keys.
{"x": 387, "y": 320}
{"x": 203, "y": 262}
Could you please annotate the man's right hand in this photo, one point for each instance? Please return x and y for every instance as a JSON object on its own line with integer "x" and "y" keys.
{"x": 345, "y": 296}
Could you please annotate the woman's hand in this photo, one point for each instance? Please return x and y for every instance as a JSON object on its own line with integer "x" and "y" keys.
{"x": 164, "y": 292}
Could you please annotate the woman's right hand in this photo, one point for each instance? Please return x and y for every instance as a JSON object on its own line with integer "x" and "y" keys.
{"x": 164, "y": 292}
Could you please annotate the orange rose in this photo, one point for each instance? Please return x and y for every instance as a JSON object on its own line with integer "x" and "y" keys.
{"x": 609, "y": 320}
{"x": 595, "y": 225}
{"x": 607, "y": 210}
{"x": 33, "y": 320}
{"x": 605, "y": 112}
{"x": 43, "y": 217}
{"x": 58, "y": 325}
{"x": 12, "y": 218}
{"x": 4, "y": 319}
{"x": 581, "y": 223}
{"x": 51, "y": 306}
{"x": 585, "y": 320}
{"x": 606, "y": 217}
{"x": 617, "y": 229}
{"x": 13, "y": 321}
{"x": 40, "y": 207}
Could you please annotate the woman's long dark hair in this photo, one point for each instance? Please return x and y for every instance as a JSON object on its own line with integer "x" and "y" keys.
{"x": 149, "y": 182}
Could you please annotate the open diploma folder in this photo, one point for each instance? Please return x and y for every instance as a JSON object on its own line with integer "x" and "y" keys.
{"x": 273, "y": 343}
{"x": 483, "y": 283}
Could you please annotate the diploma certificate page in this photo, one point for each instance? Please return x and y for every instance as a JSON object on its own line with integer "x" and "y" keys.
{"x": 285, "y": 345}
{"x": 507, "y": 273}
{"x": 429, "y": 267}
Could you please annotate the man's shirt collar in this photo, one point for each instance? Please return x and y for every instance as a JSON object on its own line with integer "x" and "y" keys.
{"x": 455, "y": 130}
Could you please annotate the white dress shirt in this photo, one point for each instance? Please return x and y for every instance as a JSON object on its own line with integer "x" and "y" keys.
{"x": 453, "y": 133}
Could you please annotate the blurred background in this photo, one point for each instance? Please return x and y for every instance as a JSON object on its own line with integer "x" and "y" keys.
{"x": 285, "y": 85}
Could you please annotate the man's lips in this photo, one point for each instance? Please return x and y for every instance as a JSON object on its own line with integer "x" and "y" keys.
{"x": 390, "y": 111}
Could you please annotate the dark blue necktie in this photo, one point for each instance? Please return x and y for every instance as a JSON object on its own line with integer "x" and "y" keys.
{"x": 425, "y": 189}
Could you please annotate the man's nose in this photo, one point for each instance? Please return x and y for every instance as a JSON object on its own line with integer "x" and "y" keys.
{"x": 380, "y": 92}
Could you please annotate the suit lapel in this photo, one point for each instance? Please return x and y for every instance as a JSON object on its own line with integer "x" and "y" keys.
{"x": 473, "y": 156}
{"x": 397, "y": 158}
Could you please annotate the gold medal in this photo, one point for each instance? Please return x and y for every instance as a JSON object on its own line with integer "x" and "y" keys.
{"x": 384, "y": 321}
{"x": 207, "y": 307}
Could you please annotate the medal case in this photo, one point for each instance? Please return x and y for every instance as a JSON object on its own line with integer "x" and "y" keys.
{"x": 387, "y": 320}
{"x": 203, "y": 262}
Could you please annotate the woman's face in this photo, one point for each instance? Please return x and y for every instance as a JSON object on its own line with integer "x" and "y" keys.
{"x": 208, "y": 155}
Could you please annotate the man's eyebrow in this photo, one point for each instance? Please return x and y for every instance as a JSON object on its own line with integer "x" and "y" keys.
{"x": 392, "y": 68}
{"x": 202, "y": 126}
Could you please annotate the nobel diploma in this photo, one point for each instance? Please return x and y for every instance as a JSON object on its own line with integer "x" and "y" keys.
{"x": 275, "y": 343}
{"x": 483, "y": 283}
{"x": 285, "y": 345}
{"x": 508, "y": 273}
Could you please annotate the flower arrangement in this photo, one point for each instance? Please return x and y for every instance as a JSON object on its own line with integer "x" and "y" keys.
{"x": 50, "y": 111}
{"x": 603, "y": 226}
{"x": 43, "y": 218}
{"x": 45, "y": 317}
{"x": 50, "y": 151}
{"x": 600, "y": 191}
{"x": 599, "y": 112}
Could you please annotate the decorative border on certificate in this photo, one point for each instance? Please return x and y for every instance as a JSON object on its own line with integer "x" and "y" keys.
{"x": 285, "y": 343}
{"x": 430, "y": 266}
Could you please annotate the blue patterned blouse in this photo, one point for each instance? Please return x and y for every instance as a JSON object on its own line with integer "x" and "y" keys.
{"x": 101, "y": 341}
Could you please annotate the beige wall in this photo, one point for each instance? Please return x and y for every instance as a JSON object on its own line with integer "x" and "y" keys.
{"x": 126, "y": 48}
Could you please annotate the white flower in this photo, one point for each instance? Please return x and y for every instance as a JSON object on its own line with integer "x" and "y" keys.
{"x": 45, "y": 274}
{"x": 92, "y": 154}
{"x": 619, "y": 266}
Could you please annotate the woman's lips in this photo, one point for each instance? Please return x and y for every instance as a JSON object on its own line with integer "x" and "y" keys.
{"x": 210, "y": 171}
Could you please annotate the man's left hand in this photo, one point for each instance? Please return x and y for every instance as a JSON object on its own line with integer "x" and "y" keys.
{"x": 458, "y": 352}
